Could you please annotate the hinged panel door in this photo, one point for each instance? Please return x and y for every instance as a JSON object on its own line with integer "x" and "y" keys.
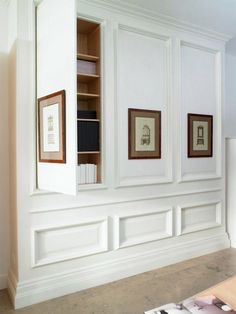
{"x": 56, "y": 71}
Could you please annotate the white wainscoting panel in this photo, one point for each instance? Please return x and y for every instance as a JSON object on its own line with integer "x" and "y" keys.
{"x": 142, "y": 227}
{"x": 200, "y": 91}
{"x": 197, "y": 217}
{"x": 143, "y": 65}
{"x": 60, "y": 243}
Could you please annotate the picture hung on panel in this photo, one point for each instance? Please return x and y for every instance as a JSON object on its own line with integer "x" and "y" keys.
{"x": 51, "y": 128}
{"x": 200, "y": 135}
{"x": 144, "y": 134}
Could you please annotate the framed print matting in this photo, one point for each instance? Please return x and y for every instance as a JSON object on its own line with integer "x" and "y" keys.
{"x": 144, "y": 134}
{"x": 51, "y": 128}
{"x": 200, "y": 135}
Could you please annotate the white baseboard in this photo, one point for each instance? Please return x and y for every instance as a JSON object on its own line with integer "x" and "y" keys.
{"x": 3, "y": 281}
{"x": 233, "y": 243}
{"x": 34, "y": 291}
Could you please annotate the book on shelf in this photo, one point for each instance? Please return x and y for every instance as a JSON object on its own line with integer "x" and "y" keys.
{"x": 87, "y": 173}
{"x": 195, "y": 305}
{"x": 86, "y": 114}
{"x": 86, "y": 67}
{"x": 88, "y": 136}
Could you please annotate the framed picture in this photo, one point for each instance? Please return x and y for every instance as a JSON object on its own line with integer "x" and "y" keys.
{"x": 51, "y": 128}
{"x": 144, "y": 134}
{"x": 200, "y": 134}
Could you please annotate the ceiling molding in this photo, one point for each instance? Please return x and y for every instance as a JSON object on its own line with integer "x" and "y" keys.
{"x": 164, "y": 20}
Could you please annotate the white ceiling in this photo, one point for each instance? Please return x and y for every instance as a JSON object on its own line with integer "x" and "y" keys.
{"x": 217, "y": 15}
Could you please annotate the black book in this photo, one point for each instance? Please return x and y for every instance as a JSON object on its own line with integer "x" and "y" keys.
{"x": 88, "y": 136}
{"x": 86, "y": 114}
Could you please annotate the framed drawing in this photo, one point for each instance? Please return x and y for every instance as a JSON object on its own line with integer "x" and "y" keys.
{"x": 200, "y": 134}
{"x": 51, "y": 128}
{"x": 144, "y": 134}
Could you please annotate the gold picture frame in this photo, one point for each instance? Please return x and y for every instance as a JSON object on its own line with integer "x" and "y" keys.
{"x": 51, "y": 128}
{"x": 144, "y": 134}
{"x": 200, "y": 135}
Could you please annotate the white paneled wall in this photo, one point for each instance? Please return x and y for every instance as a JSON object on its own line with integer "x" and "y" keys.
{"x": 149, "y": 213}
{"x": 200, "y": 90}
{"x": 143, "y": 59}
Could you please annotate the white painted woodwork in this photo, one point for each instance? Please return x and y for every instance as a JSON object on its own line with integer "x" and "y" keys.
{"x": 147, "y": 64}
{"x": 143, "y": 82}
{"x": 198, "y": 217}
{"x": 56, "y": 70}
{"x": 231, "y": 188}
{"x": 60, "y": 243}
{"x": 230, "y": 95}
{"x": 200, "y": 92}
{"x": 141, "y": 228}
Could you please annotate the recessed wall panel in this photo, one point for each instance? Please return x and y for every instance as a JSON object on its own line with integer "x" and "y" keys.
{"x": 143, "y": 83}
{"x": 142, "y": 228}
{"x": 198, "y": 217}
{"x": 66, "y": 242}
{"x": 200, "y": 91}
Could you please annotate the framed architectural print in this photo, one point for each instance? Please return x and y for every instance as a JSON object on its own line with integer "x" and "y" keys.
{"x": 51, "y": 128}
{"x": 200, "y": 135}
{"x": 144, "y": 134}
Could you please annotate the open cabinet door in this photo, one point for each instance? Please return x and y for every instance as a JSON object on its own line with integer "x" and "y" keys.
{"x": 56, "y": 71}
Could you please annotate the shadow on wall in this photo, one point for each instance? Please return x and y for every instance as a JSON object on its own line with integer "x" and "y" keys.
{"x": 230, "y": 90}
{"x": 231, "y": 47}
{"x": 4, "y": 171}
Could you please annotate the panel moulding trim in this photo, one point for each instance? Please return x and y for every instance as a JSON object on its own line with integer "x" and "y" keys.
{"x": 135, "y": 199}
{"x": 217, "y": 174}
{"x": 35, "y": 262}
{"x": 198, "y": 47}
{"x": 217, "y": 223}
{"x": 163, "y": 20}
{"x": 144, "y": 32}
{"x": 168, "y": 232}
{"x": 198, "y": 177}
{"x": 167, "y": 149}
{"x": 29, "y": 292}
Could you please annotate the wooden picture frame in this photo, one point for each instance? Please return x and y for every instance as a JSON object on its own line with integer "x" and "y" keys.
{"x": 200, "y": 135}
{"x": 51, "y": 128}
{"x": 144, "y": 138}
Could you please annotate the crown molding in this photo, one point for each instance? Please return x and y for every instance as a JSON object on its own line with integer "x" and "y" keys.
{"x": 163, "y": 20}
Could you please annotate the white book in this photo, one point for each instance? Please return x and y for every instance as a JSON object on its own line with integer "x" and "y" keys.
{"x": 95, "y": 174}
{"x": 79, "y": 175}
{"x": 87, "y": 173}
{"x": 91, "y": 173}
{"x": 82, "y": 174}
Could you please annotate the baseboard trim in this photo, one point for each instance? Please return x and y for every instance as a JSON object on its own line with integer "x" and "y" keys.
{"x": 26, "y": 293}
{"x": 3, "y": 281}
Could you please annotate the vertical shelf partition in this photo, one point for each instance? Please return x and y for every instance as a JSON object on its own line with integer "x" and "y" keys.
{"x": 88, "y": 102}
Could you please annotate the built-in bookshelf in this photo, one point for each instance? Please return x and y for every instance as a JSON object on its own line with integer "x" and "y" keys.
{"x": 88, "y": 102}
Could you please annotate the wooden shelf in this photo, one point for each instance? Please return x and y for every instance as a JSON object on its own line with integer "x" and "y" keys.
{"x": 89, "y": 152}
{"x": 85, "y": 57}
{"x": 85, "y": 96}
{"x": 89, "y": 92}
{"x": 90, "y": 120}
{"x": 86, "y": 78}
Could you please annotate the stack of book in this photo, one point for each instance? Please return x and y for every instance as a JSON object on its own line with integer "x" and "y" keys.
{"x": 87, "y": 174}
